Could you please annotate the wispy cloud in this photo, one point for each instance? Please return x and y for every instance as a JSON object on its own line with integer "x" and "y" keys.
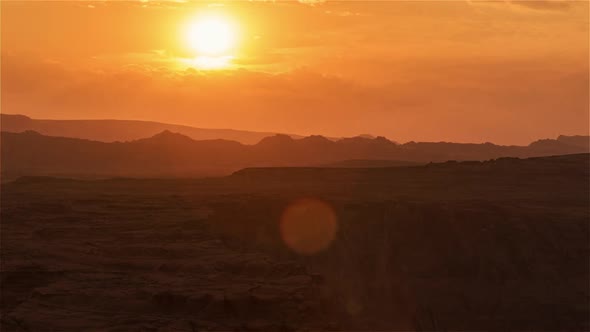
{"x": 543, "y": 4}
{"x": 312, "y": 2}
{"x": 537, "y": 5}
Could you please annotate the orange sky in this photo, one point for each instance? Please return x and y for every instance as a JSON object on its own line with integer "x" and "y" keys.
{"x": 469, "y": 71}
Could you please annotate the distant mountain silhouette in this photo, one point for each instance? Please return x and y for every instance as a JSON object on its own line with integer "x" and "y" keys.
{"x": 370, "y": 163}
{"x": 121, "y": 130}
{"x": 581, "y": 141}
{"x": 173, "y": 154}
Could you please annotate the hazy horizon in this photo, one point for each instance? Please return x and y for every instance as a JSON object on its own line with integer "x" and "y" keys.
{"x": 294, "y": 135}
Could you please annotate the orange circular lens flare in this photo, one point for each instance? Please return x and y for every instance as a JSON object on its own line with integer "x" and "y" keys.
{"x": 308, "y": 226}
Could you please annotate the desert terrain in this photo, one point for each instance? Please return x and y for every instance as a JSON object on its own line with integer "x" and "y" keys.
{"x": 495, "y": 245}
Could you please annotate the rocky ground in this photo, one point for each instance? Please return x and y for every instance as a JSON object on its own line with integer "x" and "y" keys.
{"x": 480, "y": 246}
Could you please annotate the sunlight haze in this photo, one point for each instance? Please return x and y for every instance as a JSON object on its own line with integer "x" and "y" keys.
{"x": 466, "y": 71}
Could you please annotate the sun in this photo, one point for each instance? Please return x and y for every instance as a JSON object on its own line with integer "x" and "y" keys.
{"x": 211, "y": 36}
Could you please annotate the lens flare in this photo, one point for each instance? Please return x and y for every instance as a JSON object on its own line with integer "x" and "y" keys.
{"x": 308, "y": 226}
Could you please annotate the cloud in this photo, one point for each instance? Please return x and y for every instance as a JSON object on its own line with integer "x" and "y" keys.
{"x": 536, "y": 5}
{"x": 500, "y": 101}
{"x": 312, "y": 2}
{"x": 551, "y": 5}
{"x": 342, "y": 13}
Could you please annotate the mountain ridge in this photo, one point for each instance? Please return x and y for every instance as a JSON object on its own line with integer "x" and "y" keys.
{"x": 174, "y": 154}
{"x": 112, "y": 130}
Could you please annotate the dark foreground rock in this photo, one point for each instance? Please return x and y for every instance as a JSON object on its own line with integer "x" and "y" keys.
{"x": 458, "y": 246}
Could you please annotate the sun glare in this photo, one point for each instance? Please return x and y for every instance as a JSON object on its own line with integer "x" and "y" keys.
{"x": 211, "y": 62}
{"x": 211, "y": 36}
